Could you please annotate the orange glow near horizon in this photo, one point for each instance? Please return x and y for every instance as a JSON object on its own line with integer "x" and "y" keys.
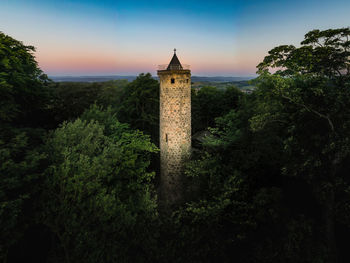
{"x": 229, "y": 38}
{"x": 83, "y": 61}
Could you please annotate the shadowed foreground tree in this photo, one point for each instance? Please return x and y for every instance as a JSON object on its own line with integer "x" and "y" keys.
{"x": 23, "y": 91}
{"x": 23, "y": 111}
{"x": 280, "y": 160}
{"x": 209, "y": 103}
{"x": 312, "y": 88}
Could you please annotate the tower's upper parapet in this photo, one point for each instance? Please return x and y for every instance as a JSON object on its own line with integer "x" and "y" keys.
{"x": 174, "y": 64}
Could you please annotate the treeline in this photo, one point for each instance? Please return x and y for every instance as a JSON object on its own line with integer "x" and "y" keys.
{"x": 269, "y": 183}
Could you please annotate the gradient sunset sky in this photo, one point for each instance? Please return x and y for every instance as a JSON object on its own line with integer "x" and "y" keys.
{"x": 112, "y": 37}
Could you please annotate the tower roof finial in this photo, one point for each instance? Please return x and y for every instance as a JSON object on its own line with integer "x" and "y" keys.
{"x": 174, "y": 63}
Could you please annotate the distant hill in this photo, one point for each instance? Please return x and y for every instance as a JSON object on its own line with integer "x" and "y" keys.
{"x": 89, "y": 78}
{"x": 219, "y": 79}
{"x": 131, "y": 78}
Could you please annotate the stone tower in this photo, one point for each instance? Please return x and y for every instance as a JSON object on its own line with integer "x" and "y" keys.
{"x": 175, "y": 127}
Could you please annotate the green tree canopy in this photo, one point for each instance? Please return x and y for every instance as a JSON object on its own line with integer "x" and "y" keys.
{"x": 209, "y": 103}
{"x": 99, "y": 199}
{"x": 322, "y": 53}
{"x": 71, "y": 99}
{"x": 140, "y": 105}
{"x": 309, "y": 97}
{"x": 22, "y": 84}
{"x": 280, "y": 160}
{"x": 23, "y": 108}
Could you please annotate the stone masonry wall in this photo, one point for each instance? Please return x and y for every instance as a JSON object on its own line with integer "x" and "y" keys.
{"x": 175, "y": 130}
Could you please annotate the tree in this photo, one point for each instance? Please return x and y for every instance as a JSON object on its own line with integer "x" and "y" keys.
{"x": 323, "y": 54}
{"x": 210, "y": 102}
{"x": 235, "y": 212}
{"x": 20, "y": 173}
{"x": 311, "y": 89}
{"x": 99, "y": 197}
{"x": 140, "y": 105}
{"x": 23, "y": 86}
{"x": 71, "y": 99}
{"x": 23, "y": 109}
{"x": 280, "y": 160}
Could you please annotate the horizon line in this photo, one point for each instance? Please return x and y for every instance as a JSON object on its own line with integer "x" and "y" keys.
{"x": 133, "y": 75}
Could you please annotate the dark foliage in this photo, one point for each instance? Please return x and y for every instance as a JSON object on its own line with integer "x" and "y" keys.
{"x": 270, "y": 183}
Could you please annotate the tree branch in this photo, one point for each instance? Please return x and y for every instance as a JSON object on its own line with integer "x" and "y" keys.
{"x": 326, "y": 117}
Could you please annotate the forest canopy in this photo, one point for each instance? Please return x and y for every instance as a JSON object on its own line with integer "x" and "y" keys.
{"x": 79, "y": 164}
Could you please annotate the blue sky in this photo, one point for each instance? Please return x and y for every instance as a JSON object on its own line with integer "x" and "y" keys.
{"x": 105, "y": 37}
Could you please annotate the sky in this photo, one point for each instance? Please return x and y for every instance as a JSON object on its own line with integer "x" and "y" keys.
{"x": 112, "y": 37}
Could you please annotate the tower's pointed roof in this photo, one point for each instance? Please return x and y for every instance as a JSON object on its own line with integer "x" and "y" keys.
{"x": 174, "y": 63}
